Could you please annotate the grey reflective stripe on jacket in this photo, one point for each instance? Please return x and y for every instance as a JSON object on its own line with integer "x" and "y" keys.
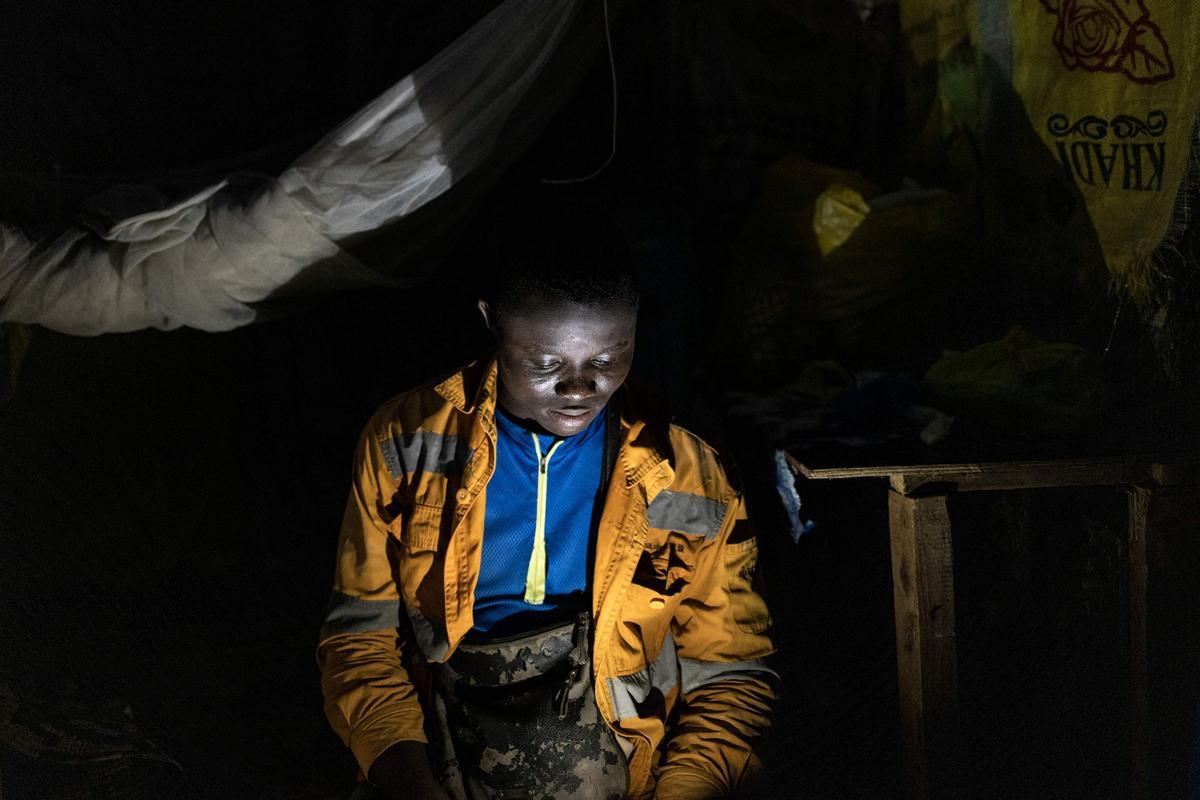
{"x": 667, "y": 671}
{"x": 695, "y": 674}
{"x": 432, "y": 640}
{"x": 687, "y": 513}
{"x": 629, "y": 690}
{"x": 425, "y": 451}
{"x": 346, "y": 614}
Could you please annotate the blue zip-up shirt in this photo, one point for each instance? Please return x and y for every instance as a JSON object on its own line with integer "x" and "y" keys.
{"x": 572, "y": 493}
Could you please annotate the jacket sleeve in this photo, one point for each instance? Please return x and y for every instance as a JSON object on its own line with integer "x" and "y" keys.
{"x": 369, "y": 698}
{"x": 726, "y": 689}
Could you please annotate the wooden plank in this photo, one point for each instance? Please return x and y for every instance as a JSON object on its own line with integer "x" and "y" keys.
{"x": 926, "y": 657}
{"x": 1176, "y": 473}
{"x": 998, "y": 475}
{"x": 1026, "y": 475}
{"x": 885, "y": 470}
{"x": 1135, "y": 621}
{"x": 1002, "y": 475}
{"x": 1157, "y": 515}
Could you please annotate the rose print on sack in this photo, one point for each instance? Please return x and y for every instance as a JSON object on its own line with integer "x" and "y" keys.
{"x": 1111, "y": 36}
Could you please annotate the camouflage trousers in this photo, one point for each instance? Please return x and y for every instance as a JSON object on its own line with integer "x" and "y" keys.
{"x": 516, "y": 719}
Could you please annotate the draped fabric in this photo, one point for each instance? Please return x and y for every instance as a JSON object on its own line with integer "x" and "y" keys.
{"x": 208, "y": 260}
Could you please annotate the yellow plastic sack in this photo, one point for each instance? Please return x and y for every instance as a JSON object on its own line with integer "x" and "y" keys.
{"x": 831, "y": 265}
{"x": 1019, "y": 382}
{"x": 1112, "y": 88}
{"x": 1108, "y": 93}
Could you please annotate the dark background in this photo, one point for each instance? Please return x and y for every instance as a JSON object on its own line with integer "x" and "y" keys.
{"x": 169, "y": 502}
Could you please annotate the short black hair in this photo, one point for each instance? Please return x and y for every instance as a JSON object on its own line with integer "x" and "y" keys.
{"x": 558, "y": 248}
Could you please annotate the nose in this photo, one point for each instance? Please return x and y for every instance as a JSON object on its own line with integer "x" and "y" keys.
{"x": 576, "y": 387}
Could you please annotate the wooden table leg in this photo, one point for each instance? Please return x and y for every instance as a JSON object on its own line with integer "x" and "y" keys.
{"x": 1139, "y": 498}
{"x": 926, "y": 657}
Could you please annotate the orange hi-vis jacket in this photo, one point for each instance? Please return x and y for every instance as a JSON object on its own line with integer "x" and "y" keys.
{"x": 678, "y": 625}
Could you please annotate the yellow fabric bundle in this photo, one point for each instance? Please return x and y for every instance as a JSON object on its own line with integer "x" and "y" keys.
{"x": 1101, "y": 93}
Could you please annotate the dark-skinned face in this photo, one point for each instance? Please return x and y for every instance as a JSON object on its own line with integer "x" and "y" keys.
{"x": 560, "y": 362}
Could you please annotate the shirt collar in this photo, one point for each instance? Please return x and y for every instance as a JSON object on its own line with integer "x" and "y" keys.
{"x": 512, "y": 429}
{"x": 473, "y": 390}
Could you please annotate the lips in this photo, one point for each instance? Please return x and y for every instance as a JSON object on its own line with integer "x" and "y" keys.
{"x": 573, "y": 412}
{"x": 572, "y": 417}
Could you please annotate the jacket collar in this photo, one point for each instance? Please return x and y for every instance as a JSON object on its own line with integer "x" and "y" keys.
{"x": 645, "y": 449}
{"x": 473, "y": 387}
{"x": 645, "y": 446}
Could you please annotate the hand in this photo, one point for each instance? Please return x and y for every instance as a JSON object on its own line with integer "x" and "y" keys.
{"x": 402, "y": 772}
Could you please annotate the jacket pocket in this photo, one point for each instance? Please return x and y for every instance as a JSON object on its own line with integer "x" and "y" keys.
{"x": 417, "y": 531}
{"x": 420, "y": 528}
{"x": 666, "y": 566}
{"x": 742, "y": 583}
{"x": 665, "y": 569}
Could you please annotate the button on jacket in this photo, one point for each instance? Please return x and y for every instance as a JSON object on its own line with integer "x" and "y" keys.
{"x": 678, "y": 625}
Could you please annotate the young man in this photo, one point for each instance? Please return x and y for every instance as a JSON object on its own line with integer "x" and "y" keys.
{"x": 540, "y": 592}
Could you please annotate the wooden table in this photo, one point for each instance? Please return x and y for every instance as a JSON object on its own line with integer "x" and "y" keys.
{"x": 923, "y": 588}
